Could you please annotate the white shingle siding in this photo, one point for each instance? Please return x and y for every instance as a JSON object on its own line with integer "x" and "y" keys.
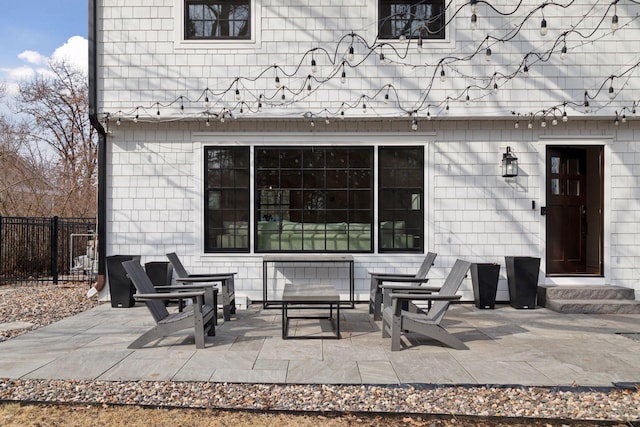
{"x": 471, "y": 212}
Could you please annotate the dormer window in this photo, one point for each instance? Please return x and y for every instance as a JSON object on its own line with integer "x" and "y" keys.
{"x": 410, "y": 19}
{"x": 217, "y": 20}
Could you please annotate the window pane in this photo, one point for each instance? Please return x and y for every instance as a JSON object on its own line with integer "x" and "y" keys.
{"x": 227, "y": 199}
{"x": 322, "y": 211}
{"x": 219, "y": 19}
{"x": 411, "y": 19}
{"x": 400, "y": 210}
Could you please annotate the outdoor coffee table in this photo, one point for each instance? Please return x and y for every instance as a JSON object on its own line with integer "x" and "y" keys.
{"x": 309, "y": 296}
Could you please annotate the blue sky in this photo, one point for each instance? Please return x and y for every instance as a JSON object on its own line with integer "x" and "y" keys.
{"x": 42, "y": 27}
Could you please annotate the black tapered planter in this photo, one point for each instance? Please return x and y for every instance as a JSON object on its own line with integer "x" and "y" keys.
{"x": 484, "y": 278}
{"x": 522, "y": 278}
{"x": 120, "y": 287}
{"x": 160, "y": 273}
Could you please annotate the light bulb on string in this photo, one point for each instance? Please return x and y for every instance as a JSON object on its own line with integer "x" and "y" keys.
{"x": 443, "y": 76}
{"x": 525, "y": 70}
{"x": 614, "y": 22}
{"x": 260, "y": 104}
{"x": 429, "y": 112}
{"x": 341, "y": 114}
{"x": 488, "y": 54}
{"x": 563, "y": 52}
{"x": 208, "y": 123}
{"x": 587, "y": 107}
{"x": 565, "y": 118}
{"x": 612, "y": 93}
{"x": 364, "y": 107}
{"x": 238, "y": 97}
{"x": 474, "y": 6}
{"x": 277, "y": 82}
{"x": 554, "y": 121}
{"x": 474, "y": 22}
{"x": 624, "y": 117}
{"x": 495, "y": 87}
{"x": 543, "y": 27}
{"x": 343, "y": 76}
{"x": 419, "y": 48}
{"x": 616, "y": 121}
{"x": 543, "y": 123}
{"x": 135, "y": 119}
{"x": 517, "y": 124}
{"x": 350, "y": 55}
{"x": 382, "y": 58}
{"x": 314, "y": 66}
{"x": 414, "y": 124}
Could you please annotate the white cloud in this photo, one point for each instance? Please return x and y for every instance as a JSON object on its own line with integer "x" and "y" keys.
{"x": 33, "y": 57}
{"x": 74, "y": 52}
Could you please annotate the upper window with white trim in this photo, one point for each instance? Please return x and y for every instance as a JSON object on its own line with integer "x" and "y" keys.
{"x": 411, "y": 19}
{"x": 217, "y": 20}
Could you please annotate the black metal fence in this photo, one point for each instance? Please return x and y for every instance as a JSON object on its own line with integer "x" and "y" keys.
{"x": 47, "y": 249}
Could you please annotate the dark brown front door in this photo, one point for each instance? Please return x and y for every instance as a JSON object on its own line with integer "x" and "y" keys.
{"x": 574, "y": 210}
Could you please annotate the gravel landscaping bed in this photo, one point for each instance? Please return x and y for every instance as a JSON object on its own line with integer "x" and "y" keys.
{"x": 44, "y": 304}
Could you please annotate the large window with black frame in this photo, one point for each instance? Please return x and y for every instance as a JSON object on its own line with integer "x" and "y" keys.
{"x": 217, "y": 19}
{"x": 315, "y": 199}
{"x": 410, "y": 19}
{"x": 227, "y": 199}
{"x": 400, "y": 201}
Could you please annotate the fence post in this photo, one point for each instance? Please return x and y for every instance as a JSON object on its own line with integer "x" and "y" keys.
{"x": 54, "y": 249}
{"x": 2, "y": 270}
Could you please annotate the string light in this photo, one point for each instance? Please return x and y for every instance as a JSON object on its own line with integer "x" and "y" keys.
{"x": 543, "y": 27}
{"x": 400, "y": 60}
{"x": 587, "y": 107}
{"x": 612, "y": 93}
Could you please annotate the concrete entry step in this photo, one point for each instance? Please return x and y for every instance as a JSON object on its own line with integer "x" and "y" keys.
{"x": 588, "y": 299}
{"x": 594, "y": 306}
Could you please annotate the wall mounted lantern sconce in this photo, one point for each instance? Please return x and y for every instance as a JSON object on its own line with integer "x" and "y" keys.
{"x": 509, "y": 164}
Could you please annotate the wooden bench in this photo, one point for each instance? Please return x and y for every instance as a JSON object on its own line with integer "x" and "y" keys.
{"x": 308, "y": 296}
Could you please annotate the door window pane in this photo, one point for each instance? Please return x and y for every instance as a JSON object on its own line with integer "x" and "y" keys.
{"x": 573, "y": 187}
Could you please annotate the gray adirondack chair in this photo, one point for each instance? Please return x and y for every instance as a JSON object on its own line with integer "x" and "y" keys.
{"x": 199, "y": 316}
{"x": 226, "y": 280}
{"x": 396, "y": 320}
{"x": 377, "y": 279}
